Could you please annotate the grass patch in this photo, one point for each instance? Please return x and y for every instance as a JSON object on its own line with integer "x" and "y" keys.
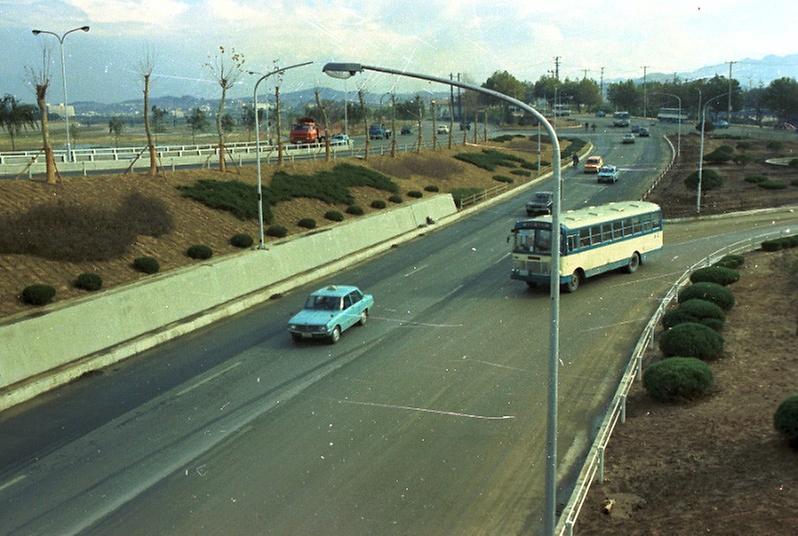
{"x": 490, "y": 159}
{"x": 439, "y": 167}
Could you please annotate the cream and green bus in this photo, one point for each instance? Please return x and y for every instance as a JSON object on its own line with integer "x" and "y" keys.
{"x": 593, "y": 240}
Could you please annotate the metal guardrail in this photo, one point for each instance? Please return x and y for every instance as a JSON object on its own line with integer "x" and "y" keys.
{"x": 594, "y": 465}
{"x": 481, "y": 196}
{"x": 664, "y": 172}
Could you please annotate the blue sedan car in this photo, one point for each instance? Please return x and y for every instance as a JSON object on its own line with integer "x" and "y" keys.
{"x": 608, "y": 174}
{"x": 330, "y": 311}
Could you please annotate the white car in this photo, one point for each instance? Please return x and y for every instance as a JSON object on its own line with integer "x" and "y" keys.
{"x": 340, "y": 139}
{"x": 443, "y": 129}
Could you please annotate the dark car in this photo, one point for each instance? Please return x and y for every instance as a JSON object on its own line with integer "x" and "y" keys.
{"x": 643, "y": 132}
{"x": 406, "y": 130}
{"x": 635, "y": 128}
{"x": 540, "y": 204}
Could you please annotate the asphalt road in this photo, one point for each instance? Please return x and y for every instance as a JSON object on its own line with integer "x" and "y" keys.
{"x": 429, "y": 420}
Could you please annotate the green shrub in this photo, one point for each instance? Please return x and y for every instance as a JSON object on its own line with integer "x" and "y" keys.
{"x": 744, "y": 145}
{"x": 772, "y": 185}
{"x": 676, "y": 316}
{"x": 715, "y": 274}
{"x": 38, "y": 294}
{"x": 89, "y": 281}
{"x": 700, "y": 309}
{"x": 378, "y": 203}
{"x": 794, "y": 182}
{"x": 775, "y": 145}
{"x": 490, "y": 159}
{"x": 354, "y": 210}
{"x": 395, "y": 198}
{"x": 731, "y": 261}
{"x": 793, "y": 163}
{"x": 521, "y": 172}
{"x": 148, "y": 265}
{"x": 241, "y": 240}
{"x": 530, "y": 165}
{"x": 199, "y": 251}
{"x": 459, "y": 193}
{"x": 785, "y": 420}
{"x": 772, "y": 245}
{"x": 277, "y": 231}
{"x": 692, "y": 340}
{"x": 431, "y": 188}
{"x": 709, "y": 180}
{"x": 719, "y": 156}
{"x": 415, "y": 193}
{"x": 755, "y": 179}
{"x": 502, "y": 178}
{"x": 236, "y": 197}
{"x": 742, "y": 159}
{"x": 677, "y": 378}
{"x": 503, "y": 138}
{"x": 334, "y": 215}
{"x": 331, "y": 186}
{"x": 307, "y": 223}
{"x": 713, "y": 323}
{"x": 717, "y": 294}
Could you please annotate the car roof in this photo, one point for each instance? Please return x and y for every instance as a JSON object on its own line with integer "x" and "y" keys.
{"x": 594, "y": 159}
{"x": 334, "y": 291}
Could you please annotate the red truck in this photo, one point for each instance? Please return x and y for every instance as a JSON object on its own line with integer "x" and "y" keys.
{"x": 306, "y": 131}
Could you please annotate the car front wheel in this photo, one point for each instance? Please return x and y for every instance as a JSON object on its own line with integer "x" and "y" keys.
{"x": 335, "y": 335}
{"x": 364, "y": 317}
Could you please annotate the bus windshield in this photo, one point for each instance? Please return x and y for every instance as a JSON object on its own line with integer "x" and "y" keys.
{"x": 537, "y": 241}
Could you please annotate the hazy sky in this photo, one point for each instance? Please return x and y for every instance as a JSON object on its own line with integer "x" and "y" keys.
{"x": 431, "y": 36}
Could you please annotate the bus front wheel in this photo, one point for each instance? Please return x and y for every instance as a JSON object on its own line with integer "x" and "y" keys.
{"x": 573, "y": 284}
{"x": 634, "y": 263}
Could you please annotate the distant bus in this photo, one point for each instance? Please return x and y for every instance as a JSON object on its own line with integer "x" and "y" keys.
{"x": 592, "y": 240}
{"x": 620, "y": 115}
{"x": 620, "y": 119}
{"x": 562, "y": 110}
{"x": 671, "y": 115}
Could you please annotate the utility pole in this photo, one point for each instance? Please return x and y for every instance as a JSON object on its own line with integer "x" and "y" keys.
{"x": 460, "y": 103}
{"x": 451, "y": 97}
{"x": 602, "y": 84}
{"x": 645, "y": 95}
{"x": 557, "y": 67}
{"x": 584, "y": 73}
{"x": 728, "y": 112}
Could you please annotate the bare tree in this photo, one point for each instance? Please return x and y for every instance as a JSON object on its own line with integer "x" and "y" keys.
{"x": 226, "y": 68}
{"x": 326, "y": 126}
{"x": 277, "y": 125}
{"x": 418, "y": 117}
{"x": 145, "y": 70}
{"x": 40, "y": 80}
{"x": 451, "y": 121}
{"x": 393, "y": 125}
{"x": 434, "y": 127}
{"x": 361, "y": 97}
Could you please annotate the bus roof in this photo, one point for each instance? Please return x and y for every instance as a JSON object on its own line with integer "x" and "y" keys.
{"x": 584, "y": 217}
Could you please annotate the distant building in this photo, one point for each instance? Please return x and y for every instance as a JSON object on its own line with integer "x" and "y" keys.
{"x": 61, "y": 110}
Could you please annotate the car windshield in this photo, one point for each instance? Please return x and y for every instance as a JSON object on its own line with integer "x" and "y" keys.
{"x": 593, "y": 160}
{"x": 607, "y": 169}
{"x": 323, "y": 303}
{"x": 542, "y": 196}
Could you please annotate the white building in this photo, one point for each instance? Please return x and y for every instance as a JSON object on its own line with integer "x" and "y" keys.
{"x": 61, "y": 110}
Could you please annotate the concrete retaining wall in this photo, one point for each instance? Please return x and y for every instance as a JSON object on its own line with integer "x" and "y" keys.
{"x": 62, "y": 334}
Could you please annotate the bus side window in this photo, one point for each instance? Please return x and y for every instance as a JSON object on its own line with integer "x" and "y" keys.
{"x": 573, "y": 240}
{"x": 584, "y": 237}
{"x": 606, "y": 232}
{"x": 636, "y": 224}
{"x": 617, "y": 229}
{"x": 627, "y": 226}
{"x": 647, "y": 223}
{"x": 595, "y": 235}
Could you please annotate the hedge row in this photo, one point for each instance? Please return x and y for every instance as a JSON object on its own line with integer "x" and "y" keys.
{"x": 780, "y": 243}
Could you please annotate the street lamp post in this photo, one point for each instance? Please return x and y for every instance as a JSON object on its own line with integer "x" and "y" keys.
{"x": 346, "y": 70}
{"x": 701, "y": 149}
{"x": 679, "y": 132}
{"x": 63, "y": 76}
{"x": 261, "y": 242}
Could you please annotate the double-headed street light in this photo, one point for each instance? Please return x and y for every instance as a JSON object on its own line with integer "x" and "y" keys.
{"x": 701, "y": 148}
{"x": 347, "y": 70}
{"x": 261, "y": 243}
{"x": 63, "y": 76}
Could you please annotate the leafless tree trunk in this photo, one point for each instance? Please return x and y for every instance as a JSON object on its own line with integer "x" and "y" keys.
{"x": 485, "y": 128}
{"x": 393, "y": 125}
{"x": 40, "y": 80}
{"x": 362, "y": 99}
{"x": 227, "y": 69}
{"x": 420, "y": 133}
{"x": 476, "y": 126}
{"x": 434, "y": 128}
{"x": 451, "y": 121}
{"x": 145, "y": 68}
{"x": 277, "y": 125}
{"x": 326, "y": 126}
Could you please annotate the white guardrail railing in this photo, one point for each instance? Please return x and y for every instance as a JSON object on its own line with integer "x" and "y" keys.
{"x": 594, "y": 464}
{"x": 664, "y": 171}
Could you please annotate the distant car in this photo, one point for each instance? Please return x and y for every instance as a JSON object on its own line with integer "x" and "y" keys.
{"x": 443, "y": 129}
{"x": 593, "y": 163}
{"x": 539, "y": 204}
{"x": 620, "y": 123}
{"x": 643, "y": 132}
{"x": 721, "y": 123}
{"x": 628, "y": 138}
{"x": 379, "y": 132}
{"x": 330, "y": 311}
{"x": 406, "y": 130}
{"x": 340, "y": 139}
{"x": 635, "y": 128}
{"x": 465, "y": 126}
{"x": 601, "y": 114}
{"x": 608, "y": 174}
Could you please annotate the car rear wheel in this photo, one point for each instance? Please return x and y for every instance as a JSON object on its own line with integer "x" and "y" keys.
{"x": 364, "y": 317}
{"x": 296, "y": 337}
{"x": 335, "y": 335}
{"x": 574, "y": 283}
{"x": 634, "y": 263}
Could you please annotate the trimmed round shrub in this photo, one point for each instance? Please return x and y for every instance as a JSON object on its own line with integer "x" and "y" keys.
{"x": 794, "y": 182}
{"x": 755, "y": 179}
{"x": 785, "y": 420}
{"x": 719, "y": 156}
{"x": 710, "y": 180}
{"x": 395, "y": 198}
{"x": 199, "y": 251}
{"x": 772, "y": 245}
{"x": 334, "y": 215}
{"x": 742, "y": 159}
{"x": 715, "y": 274}
{"x": 677, "y": 378}
{"x": 693, "y": 340}
{"x": 38, "y": 294}
{"x": 521, "y": 172}
{"x": 502, "y": 178}
{"x": 432, "y": 188}
{"x": 700, "y": 309}
{"x": 717, "y": 294}
{"x": 793, "y": 163}
{"x": 148, "y": 265}
{"x": 89, "y": 281}
{"x": 241, "y": 240}
{"x": 277, "y": 231}
{"x": 415, "y": 193}
{"x": 775, "y": 145}
{"x": 354, "y": 210}
{"x": 676, "y": 316}
{"x": 307, "y": 223}
{"x": 713, "y": 323}
{"x": 772, "y": 185}
{"x": 731, "y": 261}
{"x": 378, "y": 203}
{"x": 743, "y": 145}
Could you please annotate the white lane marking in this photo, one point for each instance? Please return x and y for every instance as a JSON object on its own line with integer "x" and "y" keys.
{"x": 427, "y": 410}
{"x": 500, "y": 259}
{"x": 499, "y": 365}
{"x": 617, "y": 324}
{"x": 11, "y": 482}
{"x": 209, "y": 378}
{"x": 642, "y": 279}
{"x": 414, "y": 270}
{"x": 410, "y": 323}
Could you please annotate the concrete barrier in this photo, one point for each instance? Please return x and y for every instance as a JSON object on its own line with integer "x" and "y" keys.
{"x": 59, "y": 342}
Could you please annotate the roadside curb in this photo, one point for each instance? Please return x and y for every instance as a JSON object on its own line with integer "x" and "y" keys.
{"x": 791, "y": 208}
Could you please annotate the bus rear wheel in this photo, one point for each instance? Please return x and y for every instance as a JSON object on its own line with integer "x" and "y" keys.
{"x": 573, "y": 284}
{"x": 634, "y": 263}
